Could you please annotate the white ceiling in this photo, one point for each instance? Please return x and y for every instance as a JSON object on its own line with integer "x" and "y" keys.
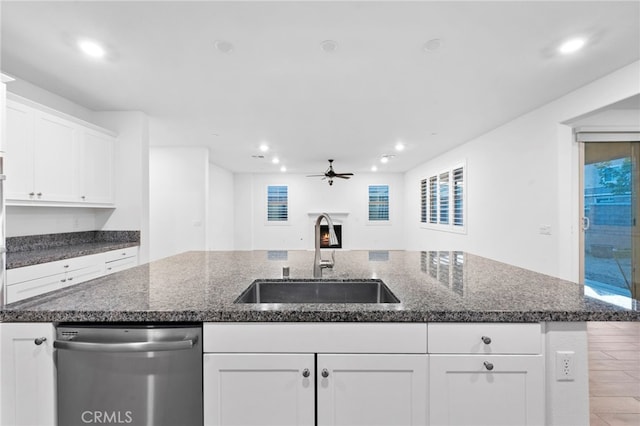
{"x": 496, "y": 61}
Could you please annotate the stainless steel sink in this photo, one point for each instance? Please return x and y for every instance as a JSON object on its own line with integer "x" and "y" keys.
{"x": 317, "y": 291}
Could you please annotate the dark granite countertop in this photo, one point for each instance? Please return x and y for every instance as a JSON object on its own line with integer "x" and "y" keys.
{"x": 432, "y": 286}
{"x": 35, "y": 249}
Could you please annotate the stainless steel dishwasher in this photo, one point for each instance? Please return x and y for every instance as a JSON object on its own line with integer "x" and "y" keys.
{"x": 135, "y": 375}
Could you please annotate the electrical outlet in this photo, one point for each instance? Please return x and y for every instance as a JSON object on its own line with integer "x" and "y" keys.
{"x": 565, "y": 366}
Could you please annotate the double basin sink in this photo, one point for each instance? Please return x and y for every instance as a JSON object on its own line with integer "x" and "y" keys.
{"x": 317, "y": 291}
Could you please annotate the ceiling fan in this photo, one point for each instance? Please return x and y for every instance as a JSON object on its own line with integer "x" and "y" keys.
{"x": 330, "y": 174}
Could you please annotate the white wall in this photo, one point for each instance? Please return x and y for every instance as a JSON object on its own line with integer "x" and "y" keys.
{"x": 179, "y": 190}
{"x": 520, "y": 176}
{"x": 221, "y": 218}
{"x": 308, "y": 195}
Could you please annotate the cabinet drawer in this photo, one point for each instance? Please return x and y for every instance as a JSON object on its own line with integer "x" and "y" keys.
{"x": 124, "y": 253}
{"x": 120, "y": 265}
{"x": 469, "y": 338}
{"x": 34, "y": 287}
{"x": 404, "y": 338}
{"x": 81, "y": 275}
{"x": 27, "y": 273}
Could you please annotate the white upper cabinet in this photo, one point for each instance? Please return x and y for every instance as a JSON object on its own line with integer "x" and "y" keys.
{"x": 19, "y": 148}
{"x": 54, "y": 158}
{"x": 96, "y": 166}
{"x": 51, "y": 160}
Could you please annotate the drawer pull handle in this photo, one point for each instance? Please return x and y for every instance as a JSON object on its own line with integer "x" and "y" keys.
{"x": 325, "y": 373}
{"x": 306, "y": 373}
{"x": 488, "y": 365}
{"x": 65, "y": 266}
{"x": 63, "y": 280}
{"x": 31, "y": 194}
{"x": 40, "y": 340}
{"x": 70, "y": 278}
{"x": 486, "y": 340}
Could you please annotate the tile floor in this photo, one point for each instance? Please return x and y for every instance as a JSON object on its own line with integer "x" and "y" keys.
{"x": 614, "y": 373}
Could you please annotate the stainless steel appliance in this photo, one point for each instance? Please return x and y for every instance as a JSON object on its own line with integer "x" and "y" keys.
{"x": 135, "y": 375}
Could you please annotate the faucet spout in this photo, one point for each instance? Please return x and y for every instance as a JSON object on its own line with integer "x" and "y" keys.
{"x": 318, "y": 262}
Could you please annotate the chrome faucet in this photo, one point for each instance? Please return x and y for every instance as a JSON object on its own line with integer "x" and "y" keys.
{"x": 318, "y": 263}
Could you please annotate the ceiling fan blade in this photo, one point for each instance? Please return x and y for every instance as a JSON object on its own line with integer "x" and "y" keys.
{"x": 343, "y": 177}
{"x": 315, "y": 175}
{"x": 344, "y": 174}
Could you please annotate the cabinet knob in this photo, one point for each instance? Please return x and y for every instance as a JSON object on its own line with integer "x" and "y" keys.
{"x": 31, "y": 194}
{"x": 70, "y": 278}
{"x": 325, "y": 373}
{"x": 65, "y": 266}
{"x": 63, "y": 280}
{"x": 83, "y": 197}
{"x": 40, "y": 340}
{"x": 486, "y": 340}
{"x": 488, "y": 365}
{"x": 306, "y": 372}
{"x": 39, "y": 194}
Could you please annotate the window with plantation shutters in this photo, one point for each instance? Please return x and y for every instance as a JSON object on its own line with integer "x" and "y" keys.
{"x": 277, "y": 203}
{"x": 442, "y": 200}
{"x": 433, "y": 199}
{"x": 378, "y": 203}
{"x": 458, "y": 196}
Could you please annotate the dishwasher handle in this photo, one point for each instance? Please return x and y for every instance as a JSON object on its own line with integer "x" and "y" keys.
{"x": 125, "y": 347}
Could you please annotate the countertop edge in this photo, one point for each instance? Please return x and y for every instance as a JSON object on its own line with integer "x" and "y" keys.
{"x": 312, "y": 316}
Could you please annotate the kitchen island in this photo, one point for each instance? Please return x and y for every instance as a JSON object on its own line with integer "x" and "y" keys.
{"x": 472, "y": 341}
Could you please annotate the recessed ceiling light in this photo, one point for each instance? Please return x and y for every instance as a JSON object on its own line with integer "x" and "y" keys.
{"x": 571, "y": 46}
{"x": 275, "y": 160}
{"x": 374, "y": 168}
{"x": 264, "y": 147}
{"x": 385, "y": 158}
{"x": 329, "y": 46}
{"x": 432, "y": 45}
{"x": 223, "y": 46}
{"x": 399, "y": 146}
{"x": 283, "y": 169}
{"x": 91, "y": 48}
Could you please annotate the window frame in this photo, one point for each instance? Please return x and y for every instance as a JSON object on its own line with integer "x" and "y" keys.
{"x": 382, "y": 222}
{"x": 431, "y": 208}
{"x": 267, "y": 221}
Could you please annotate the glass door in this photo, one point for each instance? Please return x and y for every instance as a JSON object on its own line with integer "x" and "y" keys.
{"x": 610, "y": 241}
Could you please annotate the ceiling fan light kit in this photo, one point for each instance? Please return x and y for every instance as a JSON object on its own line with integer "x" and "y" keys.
{"x": 330, "y": 174}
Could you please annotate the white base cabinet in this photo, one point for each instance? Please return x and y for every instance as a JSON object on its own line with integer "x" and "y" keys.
{"x": 369, "y": 390}
{"x": 281, "y": 389}
{"x": 27, "y": 374}
{"x": 465, "y": 392}
{"x": 30, "y": 281}
{"x": 259, "y": 389}
{"x": 486, "y": 374}
{"x": 312, "y": 386}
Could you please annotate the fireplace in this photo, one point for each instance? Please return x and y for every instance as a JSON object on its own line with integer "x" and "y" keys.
{"x": 324, "y": 236}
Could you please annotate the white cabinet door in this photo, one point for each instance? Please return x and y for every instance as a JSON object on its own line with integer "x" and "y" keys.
{"x": 27, "y": 375}
{"x": 370, "y": 390}
{"x": 18, "y": 163}
{"x": 258, "y": 389}
{"x": 55, "y": 158}
{"x": 507, "y": 391}
{"x": 96, "y": 164}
